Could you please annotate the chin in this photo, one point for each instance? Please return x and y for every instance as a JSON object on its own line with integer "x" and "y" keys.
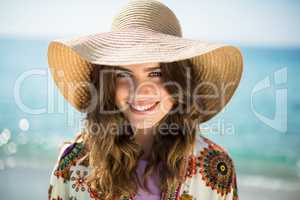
{"x": 143, "y": 125}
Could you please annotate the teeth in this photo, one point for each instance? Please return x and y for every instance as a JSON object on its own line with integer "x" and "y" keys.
{"x": 143, "y": 108}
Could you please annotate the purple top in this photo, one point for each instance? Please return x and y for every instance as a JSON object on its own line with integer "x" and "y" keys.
{"x": 142, "y": 194}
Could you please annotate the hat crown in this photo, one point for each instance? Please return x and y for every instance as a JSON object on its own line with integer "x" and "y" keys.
{"x": 147, "y": 14}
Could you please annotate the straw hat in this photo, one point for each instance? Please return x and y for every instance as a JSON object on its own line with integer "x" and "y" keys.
{"x": 143, "y": 31}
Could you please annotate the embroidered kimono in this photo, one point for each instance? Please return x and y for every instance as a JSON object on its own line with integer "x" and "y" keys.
{"x": 210, "y": 175}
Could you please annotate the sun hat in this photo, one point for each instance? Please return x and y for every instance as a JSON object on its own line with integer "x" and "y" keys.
{"x": 143, "y": 31}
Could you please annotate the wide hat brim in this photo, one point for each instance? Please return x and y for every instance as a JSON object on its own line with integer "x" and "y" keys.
{"x": 70, "y": 61}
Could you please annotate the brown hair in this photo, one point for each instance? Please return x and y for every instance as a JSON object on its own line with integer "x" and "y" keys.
{"x": 112, "y": 153}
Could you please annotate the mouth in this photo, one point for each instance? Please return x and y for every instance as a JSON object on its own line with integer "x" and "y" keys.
{"x": 143, "y": 109}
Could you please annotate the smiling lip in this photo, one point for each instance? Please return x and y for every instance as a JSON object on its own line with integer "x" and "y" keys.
{"x": 144, "y": 108}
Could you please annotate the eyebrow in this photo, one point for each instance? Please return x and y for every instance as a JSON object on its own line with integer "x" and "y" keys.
{"x": 128, "y": 70}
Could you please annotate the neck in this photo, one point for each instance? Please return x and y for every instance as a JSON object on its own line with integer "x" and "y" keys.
{"x": 144, "y": 137}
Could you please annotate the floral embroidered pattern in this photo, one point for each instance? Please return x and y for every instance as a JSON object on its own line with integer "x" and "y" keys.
{"x": 50, "y": 194}
{"x": 186, "y": 196}
{"x": 173, "y": 192}
{"x": 211, "y": 168}
{"x": 50, "y": 188}
{"x": 216, "y": 168}
{"x": 58, "y": 198}
{"x": 192, "y": 167}
{"x": 127, "y": 197}
{"x": 234, "y": 186}
{"x": 93, "y": 194}
{"x": 78, "y": 180}
{"x": 68, "y": 159}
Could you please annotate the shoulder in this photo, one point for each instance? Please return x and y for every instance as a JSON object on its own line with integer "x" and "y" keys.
{"x": 69, "y": 171}
{"x": 71, "y": 154}
{"x": 214, "y": 167}
{"x": 203, "y": 142}
{"x": 69, "y": 176}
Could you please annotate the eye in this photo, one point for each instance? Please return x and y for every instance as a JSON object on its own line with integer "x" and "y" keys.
{"x": 123, "y": 74}
{"x": 155, "y": 74}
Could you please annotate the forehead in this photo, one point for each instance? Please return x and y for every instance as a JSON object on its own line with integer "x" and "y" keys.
{"x": 139, "y": 67}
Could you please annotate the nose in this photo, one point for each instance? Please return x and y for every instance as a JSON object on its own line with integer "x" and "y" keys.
{"x": 144, "y": 90}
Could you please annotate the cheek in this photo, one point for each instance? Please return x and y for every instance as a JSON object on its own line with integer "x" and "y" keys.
{"x": 166, "y": 99}
{"x": 122, "y": 94}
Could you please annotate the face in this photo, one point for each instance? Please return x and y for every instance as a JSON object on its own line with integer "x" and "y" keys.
{"x": 140, "y": 94}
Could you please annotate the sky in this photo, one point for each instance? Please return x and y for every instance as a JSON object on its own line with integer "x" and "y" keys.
{"x": 247, "y": 22}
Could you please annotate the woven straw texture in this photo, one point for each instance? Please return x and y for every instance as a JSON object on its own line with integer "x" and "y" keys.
{"x": 143, "y": 31}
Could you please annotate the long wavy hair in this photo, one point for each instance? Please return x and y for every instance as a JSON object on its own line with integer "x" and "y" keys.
{"x": 112, "y": 152}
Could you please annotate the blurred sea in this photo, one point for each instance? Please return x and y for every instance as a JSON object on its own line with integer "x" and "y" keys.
{"x": 267, "y": 158}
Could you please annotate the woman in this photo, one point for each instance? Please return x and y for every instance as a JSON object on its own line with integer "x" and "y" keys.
{"x": 144, "y": 90}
